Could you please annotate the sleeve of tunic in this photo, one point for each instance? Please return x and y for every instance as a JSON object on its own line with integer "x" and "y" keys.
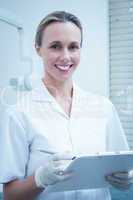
{"x": 116, "y": 138}
{"x": 13, "y": 147}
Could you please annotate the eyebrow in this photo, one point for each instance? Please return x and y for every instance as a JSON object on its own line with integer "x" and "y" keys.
{"x": 55, "y": 42}
{"x": 59, "y": 42}
{"x": 75, "y": 42}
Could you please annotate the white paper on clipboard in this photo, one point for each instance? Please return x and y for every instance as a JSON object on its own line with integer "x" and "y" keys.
{"x": 90, "y": 171}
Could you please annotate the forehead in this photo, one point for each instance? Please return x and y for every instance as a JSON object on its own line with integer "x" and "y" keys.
{"x": 61, "y": 31}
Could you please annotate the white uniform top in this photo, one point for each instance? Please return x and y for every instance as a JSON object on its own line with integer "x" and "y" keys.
{"x": 38, "y": 122}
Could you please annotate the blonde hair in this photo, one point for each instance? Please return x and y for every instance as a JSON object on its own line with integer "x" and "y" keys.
{"x": 57, "y": 16}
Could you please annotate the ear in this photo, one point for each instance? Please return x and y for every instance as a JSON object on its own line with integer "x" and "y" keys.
{"x": 38, "y": 49}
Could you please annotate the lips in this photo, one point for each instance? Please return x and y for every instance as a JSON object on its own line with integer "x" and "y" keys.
{"x": 63, "y": 67}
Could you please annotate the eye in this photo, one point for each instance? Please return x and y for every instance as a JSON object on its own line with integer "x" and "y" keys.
{"x": 55, "y": 46}
{"x": 74, "y": 47}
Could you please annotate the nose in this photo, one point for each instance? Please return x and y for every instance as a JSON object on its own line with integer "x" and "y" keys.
{"x": 65, "y": 55}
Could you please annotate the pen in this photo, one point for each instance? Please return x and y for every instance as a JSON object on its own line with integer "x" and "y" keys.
{"x": 49, "y": 152}
{"x": 74, "y": 157}
{"x": 64, "y": 157}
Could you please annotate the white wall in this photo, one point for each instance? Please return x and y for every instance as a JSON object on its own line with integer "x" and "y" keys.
{"x": 93, "y": 70}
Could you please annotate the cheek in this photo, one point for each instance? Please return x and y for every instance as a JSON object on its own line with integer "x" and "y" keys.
{"x": 77, "y": 58}
{"x": 51, "y": 58}
{"x": 48, "y": 60}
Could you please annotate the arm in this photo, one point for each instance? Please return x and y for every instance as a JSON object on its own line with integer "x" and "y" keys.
{"x": 117, "y": 142}
{"x": 29, "y": 188}
{"x": 21, "y": 190}
{"x": 14, "y": 159}
{"x": 116, "y": 138}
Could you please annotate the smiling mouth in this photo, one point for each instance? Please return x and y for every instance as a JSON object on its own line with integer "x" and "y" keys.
{"x": 63, "y": 67}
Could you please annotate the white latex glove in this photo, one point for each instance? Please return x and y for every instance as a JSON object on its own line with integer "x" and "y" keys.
{"x": 121, "y": 180}
{"x": 53, "y": 172}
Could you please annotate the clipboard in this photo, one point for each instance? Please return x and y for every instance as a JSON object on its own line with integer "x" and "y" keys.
{"x": 90, "y": 171}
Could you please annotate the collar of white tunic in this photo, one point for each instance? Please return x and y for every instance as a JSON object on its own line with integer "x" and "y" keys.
{"x": 41, "y": 94}
{"x": 80, "y": 101}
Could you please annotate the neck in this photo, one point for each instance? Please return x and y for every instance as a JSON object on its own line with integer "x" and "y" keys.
{"x": 58, "y": 89}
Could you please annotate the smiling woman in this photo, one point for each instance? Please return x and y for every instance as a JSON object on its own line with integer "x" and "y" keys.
{"x": 60, "y": 50}
{"x": 56, "y": 121}
{"x": 58, "y": 42}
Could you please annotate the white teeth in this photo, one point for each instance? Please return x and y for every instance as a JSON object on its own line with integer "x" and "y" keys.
{"x": 63, "y": 67}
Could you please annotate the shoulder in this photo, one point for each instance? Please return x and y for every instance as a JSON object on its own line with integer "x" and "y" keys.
{"x": 92, "y": 97}
{"x": 95, "y": 101}
{"x": 18, "y": 112}
{"x": 12, "y": 115}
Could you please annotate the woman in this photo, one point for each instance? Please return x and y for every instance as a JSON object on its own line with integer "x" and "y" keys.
{"x": 57, "y": 120}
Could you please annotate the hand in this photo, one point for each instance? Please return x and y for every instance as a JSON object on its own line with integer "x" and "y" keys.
{"x": 121, "y": 180}
{"x": 53, "y": 172}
